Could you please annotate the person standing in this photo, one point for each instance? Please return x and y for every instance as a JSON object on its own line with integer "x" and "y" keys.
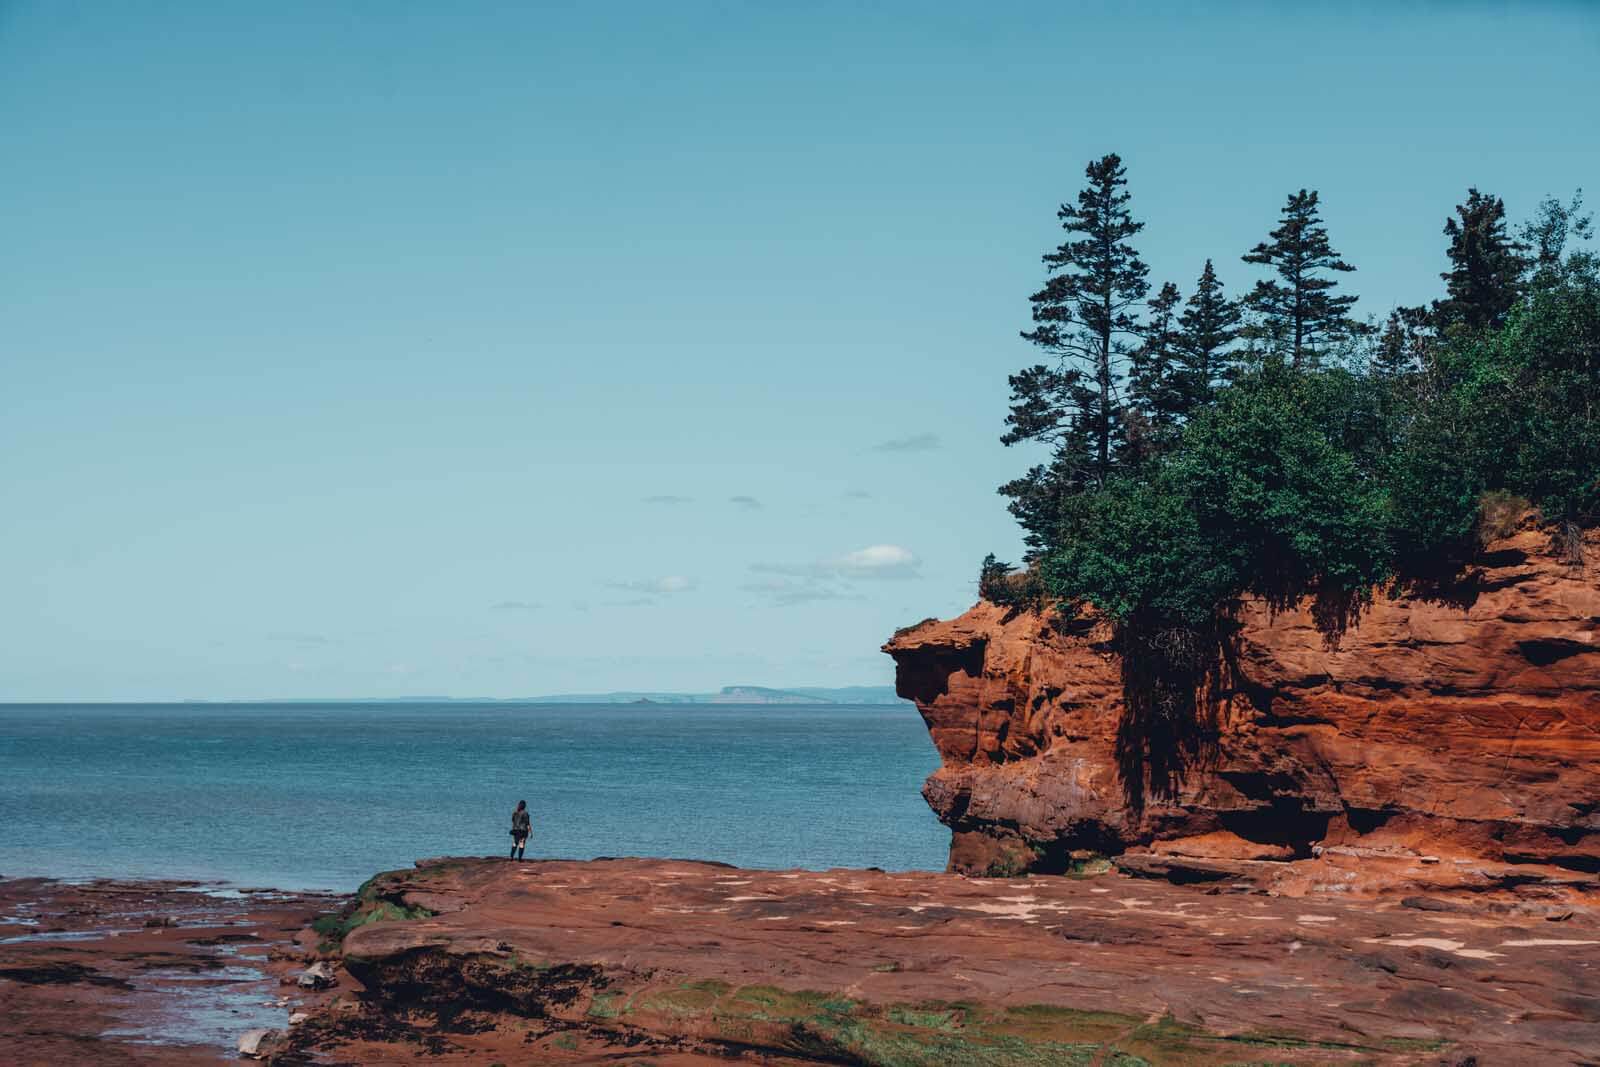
{"x": 521, "y": 827}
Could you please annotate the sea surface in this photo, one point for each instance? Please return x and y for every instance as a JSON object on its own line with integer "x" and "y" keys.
{"x": 320, "y": 796}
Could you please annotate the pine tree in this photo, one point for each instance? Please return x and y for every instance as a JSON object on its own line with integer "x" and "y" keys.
{"x": 1484, "y": 281}
{"x": 1083, "y": 311}
{"x": 1157, "y": 386}
{"x": 1299, "y": 315}
{"x": 1209, "y": 325}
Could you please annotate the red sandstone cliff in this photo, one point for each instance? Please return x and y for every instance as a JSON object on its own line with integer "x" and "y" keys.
{"x": 1464, "y": 724}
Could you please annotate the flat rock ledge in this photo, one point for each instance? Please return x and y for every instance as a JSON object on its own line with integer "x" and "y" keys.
{"x": 673, "y": 962}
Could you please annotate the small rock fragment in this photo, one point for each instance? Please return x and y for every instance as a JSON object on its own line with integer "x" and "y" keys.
{"x": 319, "y": 975}
{"x": 259, "y": 1044}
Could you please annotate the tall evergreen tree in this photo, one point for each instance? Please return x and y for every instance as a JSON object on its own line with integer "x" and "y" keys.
{"x": 1082, "y": 314}
{"x": 1209, "y": 325}
{"x": 1157, "y": 386}
{"x": 1299, "y": 314}
{"x": 1486, "y": 265}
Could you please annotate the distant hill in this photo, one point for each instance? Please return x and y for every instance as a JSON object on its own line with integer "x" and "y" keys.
{"x": 854, "y": 694}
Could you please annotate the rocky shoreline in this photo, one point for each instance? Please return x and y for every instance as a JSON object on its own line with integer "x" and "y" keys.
{"x": 482, "y": 961}
{"x": 143, "y": 972}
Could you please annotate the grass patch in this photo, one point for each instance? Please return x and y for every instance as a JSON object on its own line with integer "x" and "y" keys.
{"x": 369, "y": 905}
{"x": 934, "y": 1019}
{"x": 1088, "y": 867}
{"x": 1049, "y": 1022}
{"x": 914, "y": 627}
{"x": 1171, "y": 1041}
{"x": 605, "y": 1006}
{"x": 941, "y": 1034}
{"x": 689, "y": 999}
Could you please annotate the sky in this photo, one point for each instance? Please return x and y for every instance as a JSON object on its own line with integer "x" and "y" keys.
{"x": 375, "y": 349}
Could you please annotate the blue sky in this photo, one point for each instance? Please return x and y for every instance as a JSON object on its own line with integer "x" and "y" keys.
{"x": 381, "y": 348}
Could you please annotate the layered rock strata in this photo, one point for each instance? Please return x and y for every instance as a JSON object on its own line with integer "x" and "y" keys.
{"x": 1455, "y": 721}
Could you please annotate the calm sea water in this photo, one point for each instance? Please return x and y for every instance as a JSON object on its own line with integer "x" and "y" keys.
{"x": 320, "y": 796}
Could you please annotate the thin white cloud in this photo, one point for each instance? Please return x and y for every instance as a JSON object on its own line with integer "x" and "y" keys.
{"x": 668, "y": 498}
{"x": 918, "y": 442}
{"x": 515, "y": 605}
{"x": 872, "y": 562}
{"x": 878, "y": 561}
{"x": 749, "y": 503}
{"x": 303, "y": 639}
{"x": 788, "y": 592}
{"x": 671, "y": 583}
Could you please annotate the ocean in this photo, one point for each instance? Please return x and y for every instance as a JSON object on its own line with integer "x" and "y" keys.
{"x": 320, "y": 796}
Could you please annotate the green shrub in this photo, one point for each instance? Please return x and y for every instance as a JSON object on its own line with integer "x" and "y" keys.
{"x": 1005, "y": 586}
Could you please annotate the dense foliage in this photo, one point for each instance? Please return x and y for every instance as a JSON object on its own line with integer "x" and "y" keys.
{"x": 1275, "y": 446}
{"x": 1260, "y": 495}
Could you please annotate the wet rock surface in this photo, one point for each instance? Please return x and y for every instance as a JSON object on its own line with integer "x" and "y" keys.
{"x": 1456, "y": 720}
{"x": 134, "y": 973}
{"x": 669, "y": 962}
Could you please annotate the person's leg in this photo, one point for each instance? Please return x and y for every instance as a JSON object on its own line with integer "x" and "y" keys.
{"x": 513, "y": 849}
{"x": 521, "y": 845}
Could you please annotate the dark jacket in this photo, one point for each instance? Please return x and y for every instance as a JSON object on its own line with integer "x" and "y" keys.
{"x": 521, "y": 824}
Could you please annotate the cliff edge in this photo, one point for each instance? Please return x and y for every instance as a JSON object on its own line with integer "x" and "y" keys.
{"x": 1455, "y": 726}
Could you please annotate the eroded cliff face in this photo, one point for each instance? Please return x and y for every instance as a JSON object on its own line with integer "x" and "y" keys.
{"x": 1458, "y": 722}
